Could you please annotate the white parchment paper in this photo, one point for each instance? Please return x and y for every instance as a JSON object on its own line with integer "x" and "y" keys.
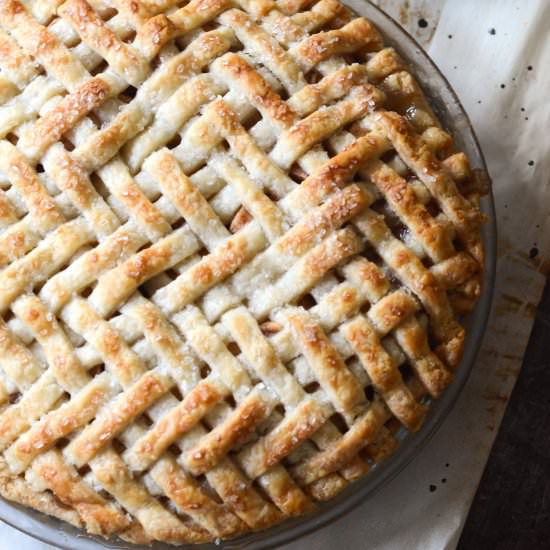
{"x": 512, "y": 123}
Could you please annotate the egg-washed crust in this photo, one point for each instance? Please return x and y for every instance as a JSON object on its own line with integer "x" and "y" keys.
{"x": 235, "y": 249}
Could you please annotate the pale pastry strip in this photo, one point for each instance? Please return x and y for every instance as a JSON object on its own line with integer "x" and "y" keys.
{"x": 8, "y": 217}
{"x": 454, "y": 350}
{"x": 285, "y": 29}
{"x": 177, "y": 421}
{"x": 332, "y": 87}
{"x": 333, "y": 375}
{"x": 427, "y": 365}
{"x": 119, "y": 246}
{"x": 358, "y": 34}
{"x": 157, "y": 521}
{"x": 455, "y": 271}
{"x": 118, "y": 415}
{"x": 265, "y": 49}
{"x": 141, "y": 389}
{"x": 24, "y": 179}
{"x": 166, "y": 341}
{"x": 224, "y": 478}
{"x": 233, "y": 488}
{"x": 251, "y": 196}
{"x": 390, "y": 310}
{"x": 414, "y": 152}
{"x": 306, "y": 272}
{"x": 18, "y": 363}
{"x": 275, "y": 112}
{"x": 54, "y": 251}
{"x": 27, "y": 104}
{"x": 320, "y": 14}
{"x": 209, "y": 346}
{"x": 135, "y": 14}
{"x": 381, "y": 316}
{"x": 162, "y": 337}
{"x": 119, "y": 359}
{"x": 170, "y": 117}
{"x": 300, "y": 239}
{"x": 58, "y": 351}
{"x": 297, "y": 426}
{"x": 212, "y": 269}
{"x": 253, "y": 410}
{"x": 49, "y": 128}
{"x": 262, "y": 357}
{"x": 286, "y": 251}
{"x": 17, "y": 66}
{"x": 188, "y": 496}
{"x": 20, "y": 490}
{"x": 289, "y": 7}
{"x": 124, "y": 59}
{"x": 341, "y": 451}
{"x": 218, "y": 121}
{"x": 99, "y": 516}
{"x": 239, "y": 75}
{"x": 41, "y": 44}
{"x": 249, "y": 506}
{"x": 89, "y": 95}
{"x": 146, "y": 215}
{"x": 403, "y": 200}
{"x": 118, "y": 284}
{"x": 158, "y": 30}
{"x": 323, "y": 123}
{"x": 59, "y": 423}
{"x": 71, "y": 180}
{"x": 37, "y": 400}
{"x": 189, "y": 201}
{"x": 364, "y": 282}
{"x": 384, "y": 63}
{"x": 383, "y": 372}
{"x": 334, "y": 173}
{"x": 17, "y": 239}
{"x": 377, "y": 286}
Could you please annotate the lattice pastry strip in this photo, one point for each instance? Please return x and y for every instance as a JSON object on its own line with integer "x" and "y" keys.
{"x": 227, "y": 266}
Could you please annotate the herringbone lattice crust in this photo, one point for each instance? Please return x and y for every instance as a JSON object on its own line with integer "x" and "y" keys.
{"x": 235, "y": 248}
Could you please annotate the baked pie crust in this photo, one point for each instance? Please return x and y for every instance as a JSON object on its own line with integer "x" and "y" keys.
{"x": 236, "y": 248}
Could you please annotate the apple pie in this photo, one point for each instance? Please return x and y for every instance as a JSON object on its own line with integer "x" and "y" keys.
{"x": 236, "y": 249}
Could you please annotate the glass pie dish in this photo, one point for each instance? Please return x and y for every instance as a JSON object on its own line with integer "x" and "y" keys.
{"x": 450, "y": 112}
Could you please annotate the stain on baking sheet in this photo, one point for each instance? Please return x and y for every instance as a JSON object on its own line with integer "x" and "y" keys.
{"x": 497, "y": 398}
{"x": 419, "y": 17}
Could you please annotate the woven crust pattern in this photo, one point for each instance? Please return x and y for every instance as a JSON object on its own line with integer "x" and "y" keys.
{"x": 235, "y": 247}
